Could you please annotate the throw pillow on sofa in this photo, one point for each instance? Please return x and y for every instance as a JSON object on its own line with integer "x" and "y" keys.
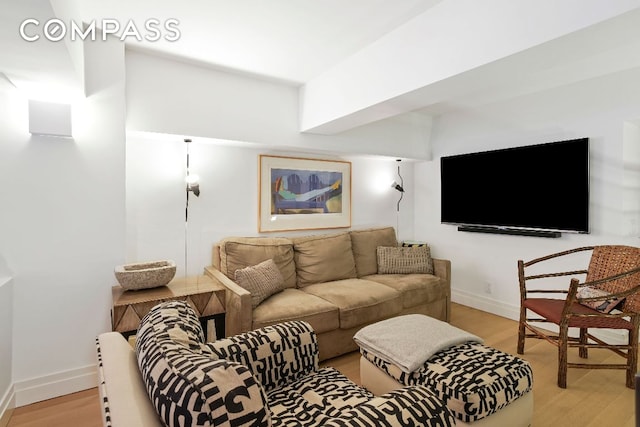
{"x": 404, "y": 260}
{"x": 261, "y": 280}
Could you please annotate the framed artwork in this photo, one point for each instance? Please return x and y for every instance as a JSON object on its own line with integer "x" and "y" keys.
{"x": 301, "y": 194}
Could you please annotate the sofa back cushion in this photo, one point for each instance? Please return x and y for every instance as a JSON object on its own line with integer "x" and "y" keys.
{"x": 365, "y": 243}
{"x": 323, "y": 258}
{"x": 237, "y": 253}
{"x": 187, "y": 383}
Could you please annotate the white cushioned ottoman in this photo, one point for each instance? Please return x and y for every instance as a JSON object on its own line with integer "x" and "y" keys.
{"x": 480, "y": 385}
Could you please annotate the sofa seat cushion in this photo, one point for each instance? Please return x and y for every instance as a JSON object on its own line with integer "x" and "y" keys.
{"x": 416, "y": 289}
{"x": 240, "y": 252}
{"x": 360, "y": 301}
{"x": 295, "y": 304}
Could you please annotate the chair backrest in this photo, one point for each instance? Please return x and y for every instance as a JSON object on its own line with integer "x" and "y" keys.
{"x": 187, "y": 383}
{"x": 607, "y": 261}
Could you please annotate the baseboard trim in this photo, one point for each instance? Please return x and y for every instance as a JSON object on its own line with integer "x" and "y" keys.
{"x": 5, "y": 417}
{"x": 55, "y": 385}
{"x": 512, "y": 312}
{"x": 484, "y": 303}
{"x": 7, "y": 404}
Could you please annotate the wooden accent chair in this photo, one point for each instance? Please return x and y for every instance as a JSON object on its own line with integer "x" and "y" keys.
{"x": 613, "y": 269}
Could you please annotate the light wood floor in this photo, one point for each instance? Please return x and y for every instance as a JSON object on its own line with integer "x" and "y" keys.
{"x": 593, "y": 397}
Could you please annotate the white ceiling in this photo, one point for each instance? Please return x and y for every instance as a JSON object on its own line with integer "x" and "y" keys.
{"x": 297, "y": 40}
{"x": 291, "y": 40}
{"x": 30, "y": 63}
{"x": 288, "y": 40}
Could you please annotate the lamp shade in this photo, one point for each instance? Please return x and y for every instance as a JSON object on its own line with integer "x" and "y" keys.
{"x": 397, "y": 186}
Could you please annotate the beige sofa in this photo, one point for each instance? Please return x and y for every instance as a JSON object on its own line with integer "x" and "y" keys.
{"x": 331, "y": 281}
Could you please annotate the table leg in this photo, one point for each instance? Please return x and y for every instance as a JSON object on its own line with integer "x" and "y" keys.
{"x": 219, "y": 323}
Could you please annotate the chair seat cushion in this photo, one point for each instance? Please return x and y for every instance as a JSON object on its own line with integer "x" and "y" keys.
{"x": 551, "y": 309}
{"x": 472, "y": 379}
{"x": 329, "y": 399}
{"x": 315, "y": 398}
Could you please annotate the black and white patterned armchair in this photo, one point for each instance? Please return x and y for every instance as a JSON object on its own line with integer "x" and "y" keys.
{"x": 264, "y": 377}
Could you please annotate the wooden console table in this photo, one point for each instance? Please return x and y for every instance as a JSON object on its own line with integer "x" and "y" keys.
{"x": 205, "y": 296}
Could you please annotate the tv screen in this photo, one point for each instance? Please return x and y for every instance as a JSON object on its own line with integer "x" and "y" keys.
{"x": 535, "y": 187}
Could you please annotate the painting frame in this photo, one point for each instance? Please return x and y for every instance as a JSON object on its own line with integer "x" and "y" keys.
{"x": 282, "y": 205}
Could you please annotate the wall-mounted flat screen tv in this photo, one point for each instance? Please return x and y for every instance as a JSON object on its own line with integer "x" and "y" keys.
{"x": 537, "y": 187}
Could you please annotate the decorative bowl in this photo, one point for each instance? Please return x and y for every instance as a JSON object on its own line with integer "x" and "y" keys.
{"x": 145, "y": 275}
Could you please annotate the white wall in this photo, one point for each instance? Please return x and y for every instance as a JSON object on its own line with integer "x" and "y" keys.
{"x": 177, "y": 98}
{"x": 6, "y": 344}
{"x": 8, "y": 100}
{"x": 484, "y": 272}
{"x": 228, "y": 203}
{"x": 631, "y": 183}
{"x": 62, "y": 224}
{"x": 261, "y": 117}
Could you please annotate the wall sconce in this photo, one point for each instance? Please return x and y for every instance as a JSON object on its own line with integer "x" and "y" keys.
{"x": 399, "y": 187}
{"x": 193, "y": 185}
{"x": 49, "y": 118}
{"x": 191, "y": 179}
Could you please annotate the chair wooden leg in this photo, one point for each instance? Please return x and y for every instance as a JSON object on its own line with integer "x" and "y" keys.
{"x": 521, "y": 330}
{"x": 562, "y": 356}
{"x": 632, "y": 358}
{"x": 583, "y": 352}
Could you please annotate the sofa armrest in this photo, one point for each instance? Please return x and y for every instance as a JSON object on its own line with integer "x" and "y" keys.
{"x": 239, "y": 313}
{"x": 123, "y": 396}
{"x": 442, "y": 269}
{"x": 414, "y": 405}
{"x": 277, "y": 355}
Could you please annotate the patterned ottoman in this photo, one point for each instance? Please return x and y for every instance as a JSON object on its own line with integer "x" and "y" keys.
{"x": 480, "y": 385}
